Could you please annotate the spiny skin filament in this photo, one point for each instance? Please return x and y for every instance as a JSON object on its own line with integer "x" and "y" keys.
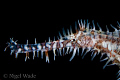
{"x": 89, "y": 39}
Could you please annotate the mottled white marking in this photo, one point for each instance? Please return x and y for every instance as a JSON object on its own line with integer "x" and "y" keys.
{"x": 78, "y": 34}
{"x": 114, "y": 46}
{"x": 39, "y": 47}
{"x": 94, "y": 41}
{"x": 25, "y": 47}
{"x": 48, "y": 45}
{"x": 54, "y": 45}
{"x": 78, "y": 42}
{"x": 109, "y": 46}
{"x": 68, "y": 44}
{"x": 104, "y": 44}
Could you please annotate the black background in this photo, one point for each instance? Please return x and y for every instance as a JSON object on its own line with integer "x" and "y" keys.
{"x": 41, "y": 24}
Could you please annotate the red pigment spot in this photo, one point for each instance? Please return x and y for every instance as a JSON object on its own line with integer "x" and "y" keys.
{"x": 113, "y": 55}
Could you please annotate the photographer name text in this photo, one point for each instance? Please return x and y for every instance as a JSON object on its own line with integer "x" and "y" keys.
{"x": 18, "y": 76}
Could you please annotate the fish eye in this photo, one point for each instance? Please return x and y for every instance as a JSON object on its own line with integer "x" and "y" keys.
{"x": 73, "y": 39}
